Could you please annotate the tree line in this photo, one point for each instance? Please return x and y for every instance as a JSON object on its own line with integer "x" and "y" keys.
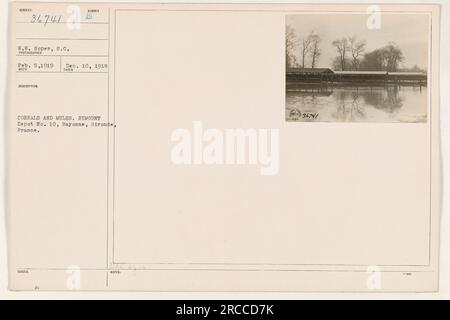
{"x": 351, "y": 54}
{"x": 309, "y": 48}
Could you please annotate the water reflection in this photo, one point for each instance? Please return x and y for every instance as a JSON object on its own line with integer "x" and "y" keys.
{"x": 349, "y": 106}
{"x": 388, "y": 100}
{"x": 358, "y": 104}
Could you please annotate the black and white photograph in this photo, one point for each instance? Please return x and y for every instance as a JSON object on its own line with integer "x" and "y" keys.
{"x": 357, "y": 67}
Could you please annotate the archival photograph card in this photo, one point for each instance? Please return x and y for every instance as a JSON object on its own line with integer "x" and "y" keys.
{"x": 223, "y": 147}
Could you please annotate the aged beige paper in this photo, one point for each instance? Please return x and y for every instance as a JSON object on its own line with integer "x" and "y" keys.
{"x": 223, "y": 147}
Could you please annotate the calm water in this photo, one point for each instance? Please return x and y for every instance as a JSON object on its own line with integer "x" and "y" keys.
{"x": 357, "y": 104}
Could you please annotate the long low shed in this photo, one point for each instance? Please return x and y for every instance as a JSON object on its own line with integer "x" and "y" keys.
{"x": 327, "y": 75}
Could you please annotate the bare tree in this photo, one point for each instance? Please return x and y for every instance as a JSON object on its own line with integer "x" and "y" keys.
{"x": 305, "y": 47}
{"x": 393, "y": 55}
{"x": 387, "y": 58}
{"x": 291, "y": 42}
{"x": 356, "y": 50}
{"x": 315, "y": 51}
{"x": 373, "y": 61}
{"x": 342, "y": 48}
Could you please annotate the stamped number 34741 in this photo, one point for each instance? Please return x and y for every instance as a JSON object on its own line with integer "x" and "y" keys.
{"x": 296, "y": 114}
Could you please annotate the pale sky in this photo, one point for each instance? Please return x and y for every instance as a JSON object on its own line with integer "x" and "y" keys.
{"x": 409, "y": 31}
